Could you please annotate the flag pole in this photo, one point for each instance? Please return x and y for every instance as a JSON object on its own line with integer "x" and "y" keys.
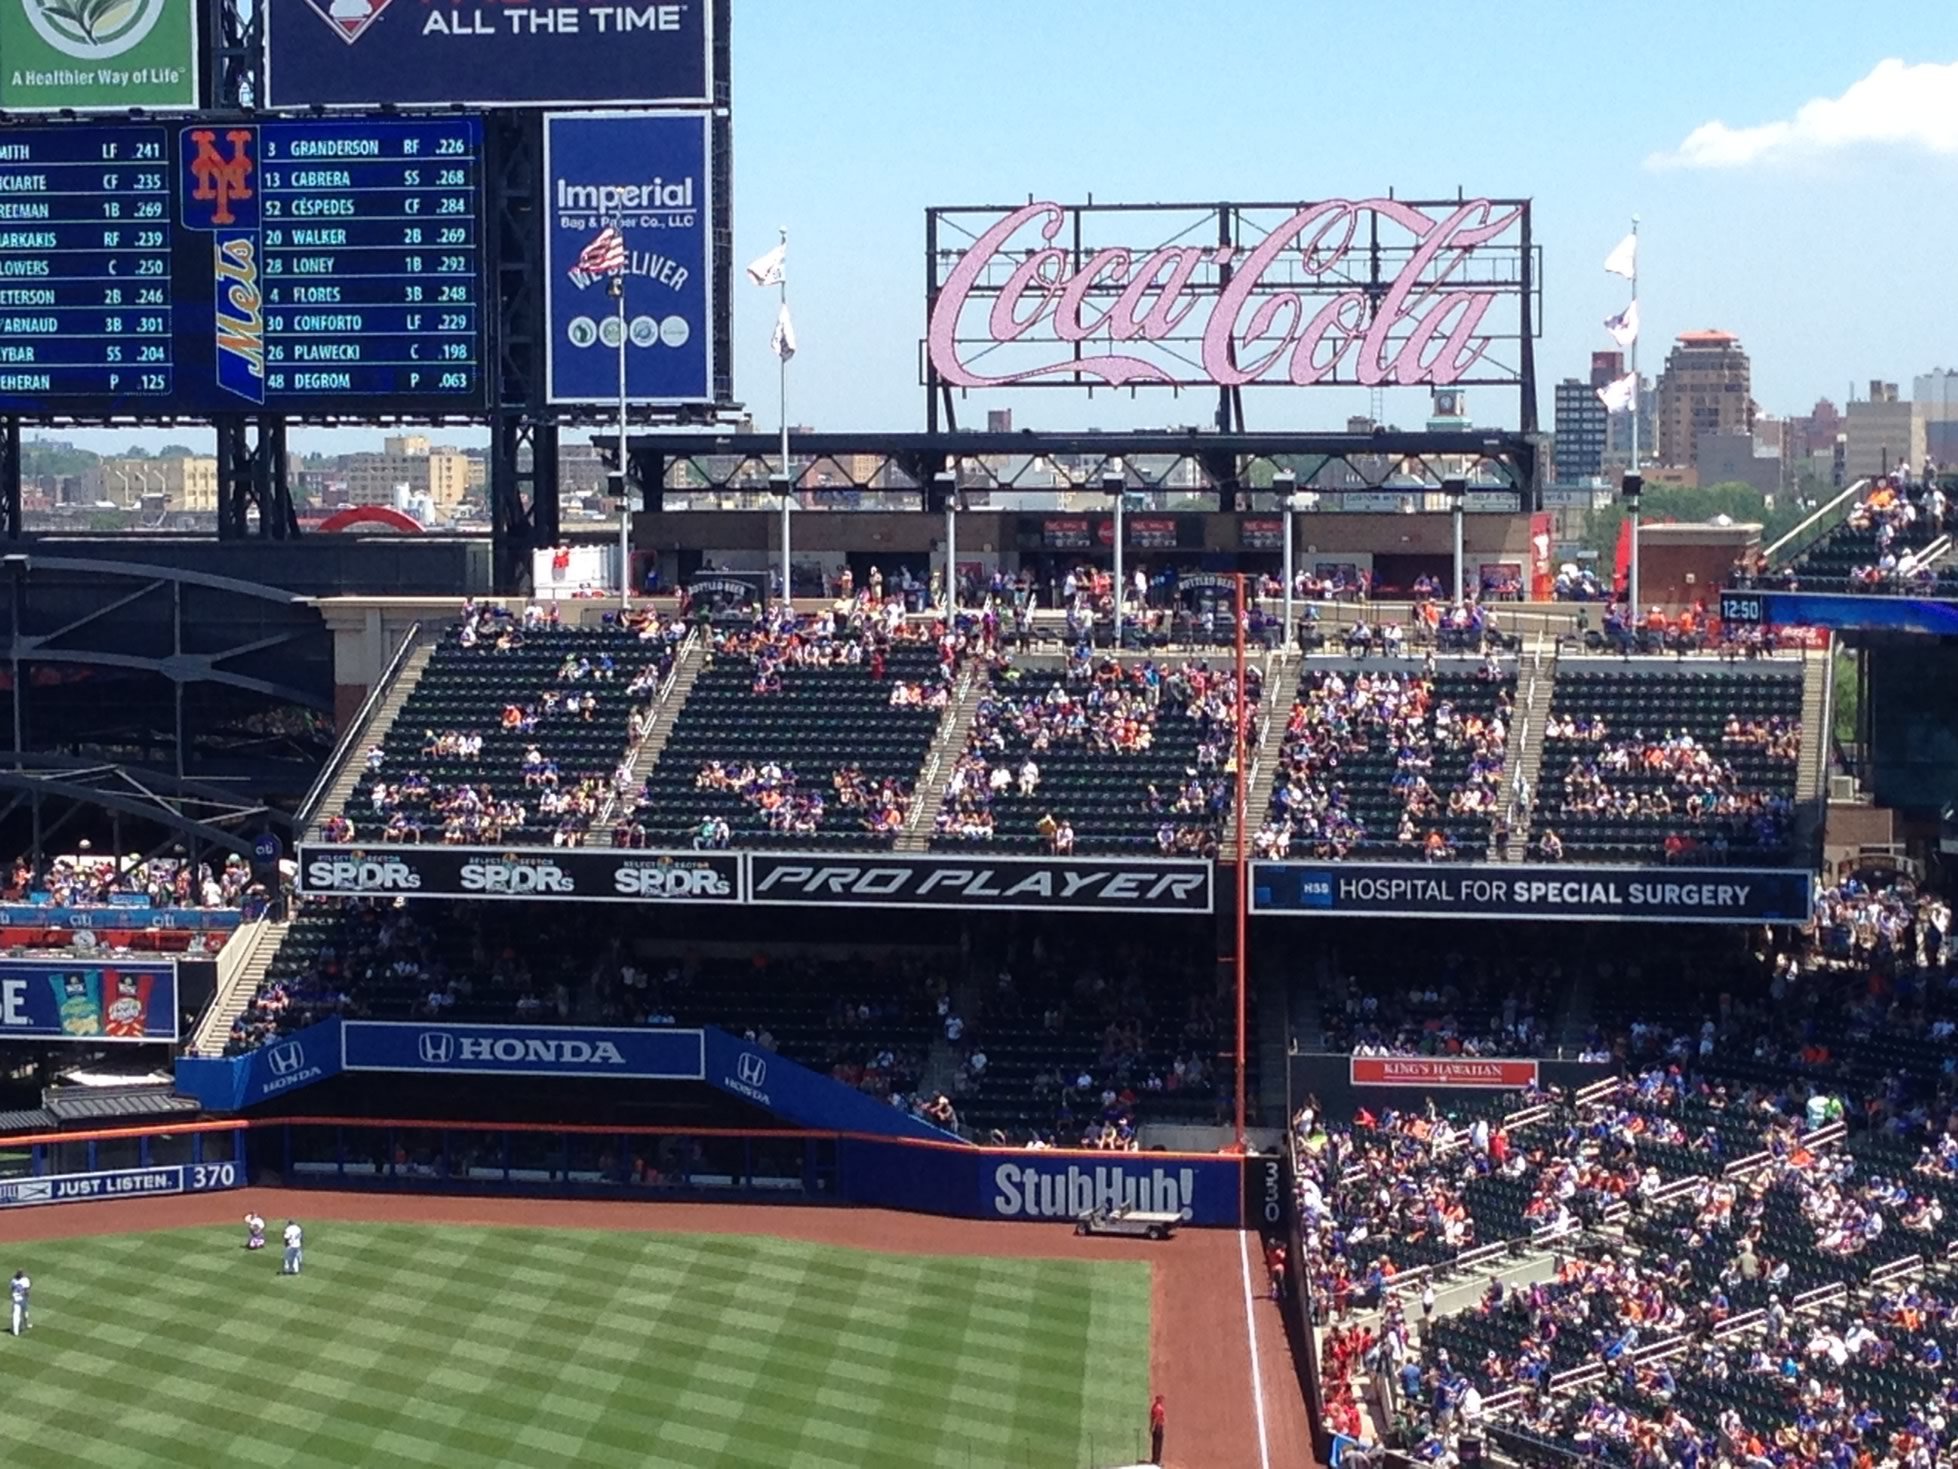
{"x": 1635, "y": 378}
{"x": 625, "y": 503}
{"x": 782, "y": 401}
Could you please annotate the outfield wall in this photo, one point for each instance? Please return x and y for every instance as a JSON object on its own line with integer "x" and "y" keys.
{"x": 770, "y": 1164}
{"x": 122, "y": 1163}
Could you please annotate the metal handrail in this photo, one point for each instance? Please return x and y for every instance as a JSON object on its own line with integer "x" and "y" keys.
{"x": 309, "y": 808}
{"x": 1769, "y": 552}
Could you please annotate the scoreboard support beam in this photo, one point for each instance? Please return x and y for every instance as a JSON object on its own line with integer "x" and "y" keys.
{"x": 252, "y": 476}
{"x": 10, "y": 474}
{"x": 523, "y": 492}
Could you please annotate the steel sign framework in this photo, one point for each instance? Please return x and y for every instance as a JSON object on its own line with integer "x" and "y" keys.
{"x": 1377, "y": 292}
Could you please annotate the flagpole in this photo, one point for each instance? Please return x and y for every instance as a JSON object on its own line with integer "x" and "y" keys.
{"x": 625, "y": 503}
{"x": 1635, "y": 337}
{"x": 782, "y": 400}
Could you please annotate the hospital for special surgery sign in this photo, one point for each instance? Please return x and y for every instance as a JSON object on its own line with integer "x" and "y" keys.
{"x": 1541, "y": 891}
{"x": 1374, "y": 292}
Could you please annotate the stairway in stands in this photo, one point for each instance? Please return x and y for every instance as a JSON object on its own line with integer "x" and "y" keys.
{"x": 379, "y": 722}
{"x": 1818, "y": 694}
{"x": 238, "y": 981}
{"x": 953, "y": 730}
{"x": 1536, "y": 678}
{"x": 1281, "y": 682}
{"x": 666, "y": 709}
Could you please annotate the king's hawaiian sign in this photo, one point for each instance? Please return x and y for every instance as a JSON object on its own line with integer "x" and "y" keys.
{"x": 1373, "y": 292}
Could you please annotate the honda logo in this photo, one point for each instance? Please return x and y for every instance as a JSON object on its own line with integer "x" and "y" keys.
{"x": 286, "y": 1059}
{"x": 752, "y": 1070}
{"x": 437, "y": 1048}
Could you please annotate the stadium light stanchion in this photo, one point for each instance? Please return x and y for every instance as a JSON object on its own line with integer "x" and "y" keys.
{"x": 1112, "y": 486}
{"x": 948, "y": 487}
{"x": 1242, "y": 888}
{"x": 1631, "y": 488}
{"x": 1455, "y": 491}
{"x": 779, "y": 483}
{"x": 1285, "y": 484}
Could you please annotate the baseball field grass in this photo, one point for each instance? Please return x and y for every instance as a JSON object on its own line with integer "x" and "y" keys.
{"x": 461, "y": 1347}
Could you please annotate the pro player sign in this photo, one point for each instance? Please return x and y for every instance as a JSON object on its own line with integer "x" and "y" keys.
{"x": 488, "y": 53}
{"x": 646, "y": 173}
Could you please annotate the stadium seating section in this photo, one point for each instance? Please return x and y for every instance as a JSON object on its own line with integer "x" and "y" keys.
{"x": 813, "y": 721}
{"x": 1376, "y": 754}
{"x": 1672, "y": 723}
{"x": 469, "y": 690}
{"x": 1116, "y": 794}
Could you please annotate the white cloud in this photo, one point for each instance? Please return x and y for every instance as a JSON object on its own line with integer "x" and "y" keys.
{"x": 1897, "y": 104}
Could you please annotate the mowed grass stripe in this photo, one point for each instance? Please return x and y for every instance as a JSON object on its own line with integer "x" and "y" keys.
{"x": 467, "y": 1347}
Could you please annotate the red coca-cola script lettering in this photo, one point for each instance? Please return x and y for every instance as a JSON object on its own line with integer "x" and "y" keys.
{"x": 1302, "y": 325}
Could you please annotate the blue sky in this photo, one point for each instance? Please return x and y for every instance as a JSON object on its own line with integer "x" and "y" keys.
{"x": 1830, "y": 256}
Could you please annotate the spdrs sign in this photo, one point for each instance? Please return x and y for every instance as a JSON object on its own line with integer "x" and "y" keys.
{"x": 488, "y": 53}
{"x": 647, "y": 174}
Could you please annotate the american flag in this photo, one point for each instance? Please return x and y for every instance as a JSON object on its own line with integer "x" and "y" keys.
{"x": 605, "y": 255}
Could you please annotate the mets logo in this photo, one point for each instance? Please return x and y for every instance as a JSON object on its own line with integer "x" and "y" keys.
{"x": 349, "y": 18}
{"x": 218, "y": 178}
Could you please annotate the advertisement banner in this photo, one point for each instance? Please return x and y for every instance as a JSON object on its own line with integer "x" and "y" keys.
{"x": 1373, "y": 292}
{"x": 120, "y": 1183}
{"x": 1005, "y": 884}
{"x": 1047, "y": 1187}
{"x": 88, "y": 1000}
{"x": 803, "y": 1097}
{"x": 1262, "y": 533}
{"x": 57, "y": 57}
{"x": 522, "y": 1050}
{"x": 1477, "y": 1073}
{"x": 487, "y": 53}
{"x": 1840, "y": 610}
{"x": 619, "y": 875}
{"x": 30, "y": 915}
{"x": 646, "y": 174}
{"x": 1555, "y": 892}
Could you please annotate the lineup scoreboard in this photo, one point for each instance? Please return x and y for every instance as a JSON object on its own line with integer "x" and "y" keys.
{"x": 316, "y": 268}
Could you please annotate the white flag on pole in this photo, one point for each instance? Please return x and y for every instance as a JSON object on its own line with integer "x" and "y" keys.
{"x": 1621, "y": 393}
{"x": 1623, "y": 260}
{"x": 1624, "y": 326}
{"x": 784, "y": 339}
{"x": 766, "y": 270}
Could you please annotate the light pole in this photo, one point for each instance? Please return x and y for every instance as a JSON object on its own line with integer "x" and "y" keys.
{"x": 1113, "y": 486}
{"x": 778, "y": 484}
{"x": 947, "y": 485}
{"x": 1455, "y": 491}
{"x": 1630, "y": 489}
{"x": 1285, "y": 485}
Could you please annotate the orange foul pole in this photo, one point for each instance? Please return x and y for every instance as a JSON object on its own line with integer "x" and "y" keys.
{"x": 1242, "y": 887}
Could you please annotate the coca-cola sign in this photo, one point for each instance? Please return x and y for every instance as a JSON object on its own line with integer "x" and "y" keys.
{"x": 1375, "y": 292}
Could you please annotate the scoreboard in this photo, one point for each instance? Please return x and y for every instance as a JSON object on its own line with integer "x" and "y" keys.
{"x": 314, "y": 268}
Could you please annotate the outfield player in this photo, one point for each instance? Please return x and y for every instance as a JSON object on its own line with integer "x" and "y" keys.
{"x": 254, "y": 1231}
{"x": 20, "y": 1287}
{"x": 293, "y": 1250}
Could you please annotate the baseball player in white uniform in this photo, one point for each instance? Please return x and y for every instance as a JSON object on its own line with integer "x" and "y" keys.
{"x": 254, "y": 1232}
{"x": 20, "y": 1286}
{"x": 293, "y": 1251}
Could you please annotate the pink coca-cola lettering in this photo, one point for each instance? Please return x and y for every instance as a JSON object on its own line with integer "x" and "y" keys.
{"x": 1424, "y": 329}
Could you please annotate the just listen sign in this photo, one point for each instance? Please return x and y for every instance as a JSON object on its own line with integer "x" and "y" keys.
{"x": 1374, "y": 292}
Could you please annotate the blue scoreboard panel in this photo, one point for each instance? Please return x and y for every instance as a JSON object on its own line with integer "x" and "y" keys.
{"x": 315, "y": 268}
